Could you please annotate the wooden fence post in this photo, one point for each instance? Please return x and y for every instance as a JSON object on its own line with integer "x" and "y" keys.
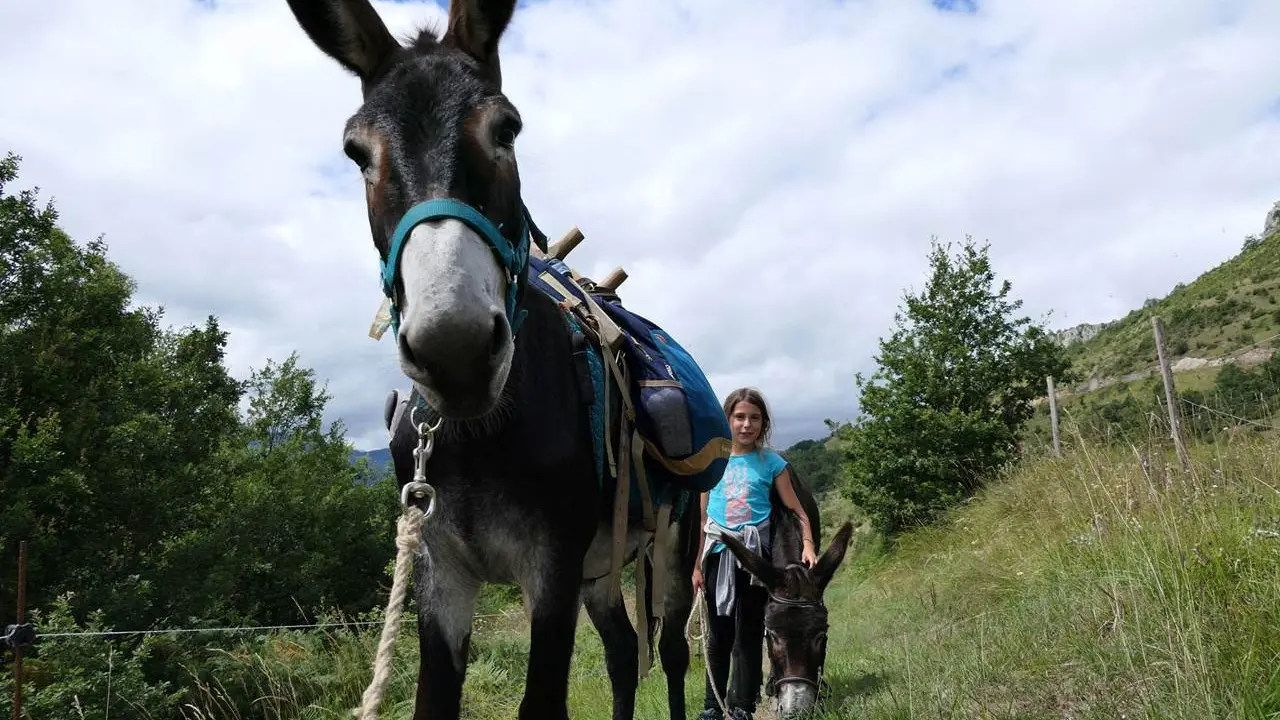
{"x": 1053, "y": 416}
{"x": 22, "y": 611}
{"x": 1170, "y": 394}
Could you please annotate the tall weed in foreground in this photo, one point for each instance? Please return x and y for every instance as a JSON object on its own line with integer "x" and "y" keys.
{"x": 300, "y": 675}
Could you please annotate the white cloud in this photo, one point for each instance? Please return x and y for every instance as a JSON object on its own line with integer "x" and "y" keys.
{"x": 779, "y": 168}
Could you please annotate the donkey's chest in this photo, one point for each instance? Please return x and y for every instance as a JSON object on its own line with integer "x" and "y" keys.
{"x": 506, "y": 533}
{"x": 489, "y": 553}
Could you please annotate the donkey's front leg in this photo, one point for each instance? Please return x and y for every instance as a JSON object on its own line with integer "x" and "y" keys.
{"x": 446, "y": 602}
{"x": 553, "y": 602}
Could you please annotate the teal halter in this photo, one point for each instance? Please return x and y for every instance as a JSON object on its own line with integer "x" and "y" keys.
{"x": 513, "y": 257}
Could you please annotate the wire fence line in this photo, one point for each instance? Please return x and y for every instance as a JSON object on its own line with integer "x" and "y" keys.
{"x": 1145, "y": 372}
{"x": 1232, "y": 416}
{"x": 1116, "y": 415}
{"x": 1241, "y": 350}
{"x": 1234, "y": 354}
{"x": 228, "y": 629}
{"x": 1247, "y": 348}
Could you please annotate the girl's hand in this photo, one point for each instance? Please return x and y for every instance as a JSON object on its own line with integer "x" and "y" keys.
{"x": 697, "y": 579}
{"x": 808, "y": 557}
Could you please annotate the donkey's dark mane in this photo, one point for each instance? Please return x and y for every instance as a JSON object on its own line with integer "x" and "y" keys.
{"x": 786, "y": 526}
{"x": 425, "y": 38}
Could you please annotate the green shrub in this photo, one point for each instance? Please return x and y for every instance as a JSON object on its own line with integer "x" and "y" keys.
{"x": 89, "y": 677}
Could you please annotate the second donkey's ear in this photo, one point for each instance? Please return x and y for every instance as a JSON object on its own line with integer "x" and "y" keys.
{"x": 831, "y": 559}
{"x": 753, "y": 562}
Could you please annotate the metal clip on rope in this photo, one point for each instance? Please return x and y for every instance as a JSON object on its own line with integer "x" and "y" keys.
{"x": 408, "y": 540}
{"x": 419, "y": 487}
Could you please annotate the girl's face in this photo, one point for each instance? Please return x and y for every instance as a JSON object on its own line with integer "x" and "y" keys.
{"x": 745, "y": 422}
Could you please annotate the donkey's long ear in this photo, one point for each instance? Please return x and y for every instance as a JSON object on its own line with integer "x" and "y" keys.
{"x": 476, "y": 26}
{"x": 350, "y": 32}
{"x": 753, "y": 562}
{"x": 831, "y": 559}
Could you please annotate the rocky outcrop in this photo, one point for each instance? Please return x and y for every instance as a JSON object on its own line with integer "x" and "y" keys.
{"x": 1080, "y": 333}
{"x": 1272, "y": 224}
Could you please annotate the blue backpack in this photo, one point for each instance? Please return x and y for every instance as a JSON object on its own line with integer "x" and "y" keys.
{"x": 677, "y": 416}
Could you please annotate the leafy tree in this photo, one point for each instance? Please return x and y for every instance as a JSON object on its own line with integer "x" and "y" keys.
{"x": 126, "y": 465}
{"x": 297, "y": 528}
{"x": 106, "y": 420}
{"x": 1246, "y": 394}
{"x": 146, "y": 498}
{"x": 942, "y": 412}
{"x": 285, "y": 403}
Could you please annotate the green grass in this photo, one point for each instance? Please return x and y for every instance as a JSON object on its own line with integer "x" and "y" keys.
{"x": 1086, "y": 587}
{"x": 1082, "y": 588}
{"x": 1227, "y": 308}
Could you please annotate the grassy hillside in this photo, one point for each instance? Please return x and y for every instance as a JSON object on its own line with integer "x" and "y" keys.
{"x": 1083, "y": 588}
{"x": 1227, "y": 308}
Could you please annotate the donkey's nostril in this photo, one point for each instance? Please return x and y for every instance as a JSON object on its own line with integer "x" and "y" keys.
{"x": 406, "y": 350}
{"x": 498, "y": 336}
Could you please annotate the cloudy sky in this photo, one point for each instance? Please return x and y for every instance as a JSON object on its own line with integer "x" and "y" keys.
{"x": 780, "y": 165}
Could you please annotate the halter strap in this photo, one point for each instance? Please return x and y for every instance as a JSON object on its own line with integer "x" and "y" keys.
{"x": 796, "y": 679}
{"x": 793, "y": 603}
{"x": 512, "y": 255}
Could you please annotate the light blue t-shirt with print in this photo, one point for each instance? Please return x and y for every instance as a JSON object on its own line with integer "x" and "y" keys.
{"x": 742, "y": 495}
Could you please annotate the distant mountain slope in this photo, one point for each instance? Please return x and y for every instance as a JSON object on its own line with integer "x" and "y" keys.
{"x": 378, "y": 459}
{"x": 1229, "y": 308}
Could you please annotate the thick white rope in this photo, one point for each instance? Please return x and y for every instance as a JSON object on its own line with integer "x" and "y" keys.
{"x": 706, "y": 659}
{"x": 408, "y": 537}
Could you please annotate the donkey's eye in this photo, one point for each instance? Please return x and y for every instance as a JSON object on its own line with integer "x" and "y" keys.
{"x": 506, "y": 130}
{"x": 357, "y": 153}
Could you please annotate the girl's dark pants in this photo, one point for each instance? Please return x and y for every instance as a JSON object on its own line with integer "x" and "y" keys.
{"x": 739, "y": 635}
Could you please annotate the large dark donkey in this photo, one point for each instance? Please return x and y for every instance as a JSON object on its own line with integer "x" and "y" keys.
{"x": 795, "y": 616}
{"x": 517, "y": 497}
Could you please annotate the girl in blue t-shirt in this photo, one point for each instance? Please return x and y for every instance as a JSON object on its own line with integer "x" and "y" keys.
{"x": 739, "y": 505}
